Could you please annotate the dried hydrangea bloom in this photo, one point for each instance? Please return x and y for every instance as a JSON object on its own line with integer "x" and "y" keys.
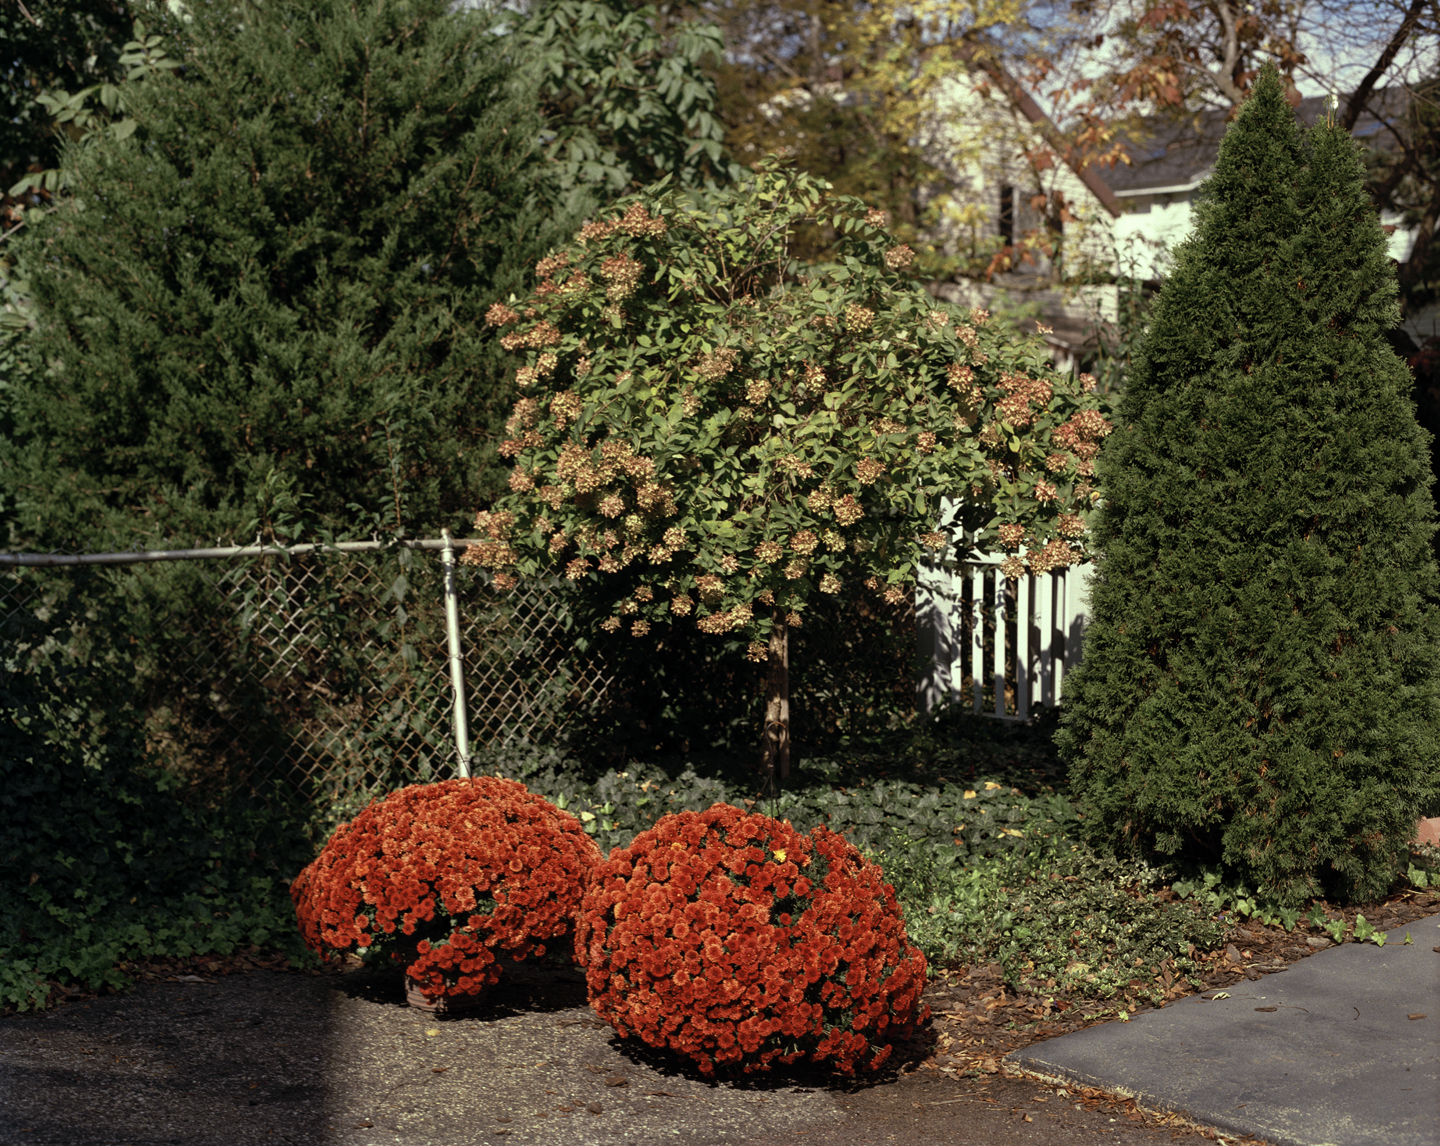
{"x": 847, "y": 510}
{"x": 898, "y": 258}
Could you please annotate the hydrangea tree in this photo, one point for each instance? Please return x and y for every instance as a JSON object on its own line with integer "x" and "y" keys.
{"x": 710, "y": 433}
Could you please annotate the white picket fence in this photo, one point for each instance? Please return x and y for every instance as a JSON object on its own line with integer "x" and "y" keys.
{"x": 1011, "y": 643}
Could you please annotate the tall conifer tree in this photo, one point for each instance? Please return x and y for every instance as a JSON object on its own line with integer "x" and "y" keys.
{"x": 1261, "y": 687}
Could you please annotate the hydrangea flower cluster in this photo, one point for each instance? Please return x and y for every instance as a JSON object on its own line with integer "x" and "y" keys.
{"x": 450, "y": 878}
{"x": 738, "y": 941}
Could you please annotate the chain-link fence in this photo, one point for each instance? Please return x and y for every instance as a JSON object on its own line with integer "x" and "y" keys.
{"x": 325, "y": 667}
{"x": 321, "y": 667}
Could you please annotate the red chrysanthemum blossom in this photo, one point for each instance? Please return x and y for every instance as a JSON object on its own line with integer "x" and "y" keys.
{"x": 736, "y": 940}
{"x": 450, "y": 877}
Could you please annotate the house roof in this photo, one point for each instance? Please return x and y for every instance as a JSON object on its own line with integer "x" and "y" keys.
{"x": 1170, "y": 155}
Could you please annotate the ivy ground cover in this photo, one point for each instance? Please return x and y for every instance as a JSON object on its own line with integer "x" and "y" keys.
{"x": 968, "y": 818}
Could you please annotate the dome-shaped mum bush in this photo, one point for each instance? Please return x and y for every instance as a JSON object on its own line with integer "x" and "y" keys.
{"x": 736, "y": 940}
{"x": 450, "y": 877}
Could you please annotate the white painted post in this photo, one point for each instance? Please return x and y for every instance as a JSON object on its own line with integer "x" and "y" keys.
{"x": 977, "y": 630}
{"x": 997, "y": 656}
{"x": 1022, "y": 646}
{"x": 1046, "y": 651}
{"x": 1077, "y": 586}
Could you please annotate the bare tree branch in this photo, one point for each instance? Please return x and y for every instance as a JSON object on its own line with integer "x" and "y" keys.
{"x": 1225, "y": 79}
{"x": 1387, "y": 57}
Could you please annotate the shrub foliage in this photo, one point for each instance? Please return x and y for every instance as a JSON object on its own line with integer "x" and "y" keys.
{"x": 264, "y": 297}
{"x": 1260, "y": 686}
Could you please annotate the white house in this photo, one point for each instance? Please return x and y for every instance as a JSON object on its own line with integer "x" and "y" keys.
{"x": 1123, "y": 219}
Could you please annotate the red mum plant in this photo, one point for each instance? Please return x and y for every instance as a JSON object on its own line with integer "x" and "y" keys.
{"x": 451, "y": 878}
{"x": 736, "y": 940}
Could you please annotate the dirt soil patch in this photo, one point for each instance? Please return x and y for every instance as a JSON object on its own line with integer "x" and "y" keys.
{"x": 243, "y": 1050}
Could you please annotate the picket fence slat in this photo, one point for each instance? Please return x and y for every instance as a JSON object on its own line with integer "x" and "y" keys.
{"x": 961, "y": 607}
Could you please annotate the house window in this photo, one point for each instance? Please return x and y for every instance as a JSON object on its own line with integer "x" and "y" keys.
{"x": 1007, "y": 215}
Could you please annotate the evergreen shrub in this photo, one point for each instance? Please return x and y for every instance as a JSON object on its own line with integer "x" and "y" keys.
{"x": 266, "y": 300}
{"x": 738, "y": 941}
{"x": 1260, "y": 686}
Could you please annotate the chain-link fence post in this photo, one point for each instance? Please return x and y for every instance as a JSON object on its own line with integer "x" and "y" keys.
{"x": 457, "y": 669}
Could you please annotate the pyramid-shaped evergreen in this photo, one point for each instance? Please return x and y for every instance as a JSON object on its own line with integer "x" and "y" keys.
{"x": 1260, "y": 687}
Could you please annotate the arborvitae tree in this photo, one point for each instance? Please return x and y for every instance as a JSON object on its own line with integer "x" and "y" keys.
{"x": 263, "y": 310}
{"x": 1260, "y": 687}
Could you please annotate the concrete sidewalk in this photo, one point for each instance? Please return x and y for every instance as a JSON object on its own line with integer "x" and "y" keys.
{"x": 1341, "y": 1049}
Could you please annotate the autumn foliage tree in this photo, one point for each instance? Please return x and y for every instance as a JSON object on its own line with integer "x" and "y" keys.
{"x": 712, "y": 433}
{"x": 1179, "y": 59}
{"x": 865, "y": 96}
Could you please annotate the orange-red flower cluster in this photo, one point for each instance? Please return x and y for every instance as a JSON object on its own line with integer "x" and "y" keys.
{"x": 448, "y": 877}
{"x": 734, "y": 939}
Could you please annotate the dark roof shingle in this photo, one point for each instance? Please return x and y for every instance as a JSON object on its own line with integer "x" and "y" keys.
{"x": 1170, "y": 153}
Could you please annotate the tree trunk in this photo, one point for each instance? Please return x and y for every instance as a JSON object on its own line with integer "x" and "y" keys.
{"x": 775, "y": 738}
